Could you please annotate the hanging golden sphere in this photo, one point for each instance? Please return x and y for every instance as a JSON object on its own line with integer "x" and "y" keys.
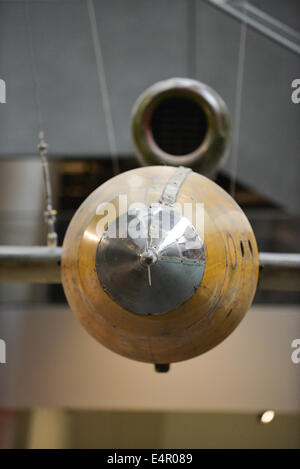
{"x": 167, "y": 298}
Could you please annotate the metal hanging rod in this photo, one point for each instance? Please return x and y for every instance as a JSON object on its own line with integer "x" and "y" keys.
{"x": 40, "y": 264}
{"x": 261, "y": 22}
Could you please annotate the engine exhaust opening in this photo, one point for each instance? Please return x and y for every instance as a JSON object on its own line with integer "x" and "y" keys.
{"x": 180, "y": 122}
{"x": 178, "y": 125}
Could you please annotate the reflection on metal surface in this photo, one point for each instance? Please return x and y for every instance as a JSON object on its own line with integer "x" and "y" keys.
{"x": 171, "y": 190}
{"x": 169, "y": 245}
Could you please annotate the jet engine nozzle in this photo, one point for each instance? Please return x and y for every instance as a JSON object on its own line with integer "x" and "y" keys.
{"x": 180, "y": 122}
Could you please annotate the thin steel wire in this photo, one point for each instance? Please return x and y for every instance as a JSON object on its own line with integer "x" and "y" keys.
{"x": 238, "y": 108}
{"x": 103, "y": 87}
{"x": 50, "y": 213}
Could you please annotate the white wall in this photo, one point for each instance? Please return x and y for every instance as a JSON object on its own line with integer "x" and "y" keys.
{"x": 53, "y": 362}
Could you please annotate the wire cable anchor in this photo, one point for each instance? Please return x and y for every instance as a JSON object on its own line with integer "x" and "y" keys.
{"x": 49, "y": 213}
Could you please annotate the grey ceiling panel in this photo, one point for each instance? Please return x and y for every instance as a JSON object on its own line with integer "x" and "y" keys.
{"x": 71, "y": 112}
{"x": 269, "y": 149}
{"x": 142, "y": 42}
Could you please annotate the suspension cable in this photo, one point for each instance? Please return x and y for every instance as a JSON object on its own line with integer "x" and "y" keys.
{"x": 49, "y": 213}
{"x": 238, "y": 105}
{"x": 103, "y": 87}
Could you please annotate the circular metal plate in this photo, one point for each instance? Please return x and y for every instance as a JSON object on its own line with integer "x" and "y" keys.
{"x": 156, "y": 266}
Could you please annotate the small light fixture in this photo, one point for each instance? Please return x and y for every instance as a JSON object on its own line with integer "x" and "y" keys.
{"x": 267, "y": 416}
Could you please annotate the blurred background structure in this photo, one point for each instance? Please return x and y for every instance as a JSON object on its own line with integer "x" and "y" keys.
{"x": 215, "y": 399}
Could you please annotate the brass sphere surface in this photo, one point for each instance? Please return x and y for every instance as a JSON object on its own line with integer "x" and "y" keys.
{"x": 211, "y": 312}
